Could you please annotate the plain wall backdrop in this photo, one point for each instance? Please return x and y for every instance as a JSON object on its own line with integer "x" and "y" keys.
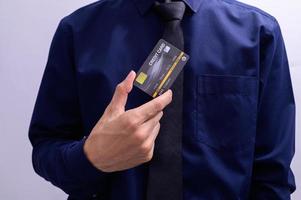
{"x": 26, "y": 30}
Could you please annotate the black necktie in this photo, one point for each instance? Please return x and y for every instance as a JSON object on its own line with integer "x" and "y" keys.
{"x": 165, "y": 170}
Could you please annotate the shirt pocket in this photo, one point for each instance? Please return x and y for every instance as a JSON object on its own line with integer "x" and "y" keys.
{"x": 226, "y": 111}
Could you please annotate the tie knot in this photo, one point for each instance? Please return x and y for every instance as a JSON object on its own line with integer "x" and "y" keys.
{"x": 170, "y": 10}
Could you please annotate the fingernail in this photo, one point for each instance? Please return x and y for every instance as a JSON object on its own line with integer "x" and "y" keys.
{"x": 130, "y": 74}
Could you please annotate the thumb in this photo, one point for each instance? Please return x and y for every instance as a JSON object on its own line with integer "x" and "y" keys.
{"x": 122, "y": 90}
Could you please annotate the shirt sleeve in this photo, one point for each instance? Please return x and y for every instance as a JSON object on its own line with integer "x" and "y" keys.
{"x": 56, "y": 131}
{"x": 275, "y": 137}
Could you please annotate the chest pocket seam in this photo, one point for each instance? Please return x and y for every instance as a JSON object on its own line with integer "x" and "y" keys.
{"x": 226, "y": 104}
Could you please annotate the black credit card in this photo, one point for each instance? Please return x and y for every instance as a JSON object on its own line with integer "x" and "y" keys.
{"x": 160, "y": 69}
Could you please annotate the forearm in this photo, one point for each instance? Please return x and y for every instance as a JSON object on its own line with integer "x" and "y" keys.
{"x": 64, "y": 164}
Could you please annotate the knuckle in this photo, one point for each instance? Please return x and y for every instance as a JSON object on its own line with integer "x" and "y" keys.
{"x": 135, "y": 116}
{"x": 159, "y": 124}
{"x": 145, "y": 149}
{"x": 139, "y": 137}
{"x": 158, "y": 105}
{"x": 119, "y": 87}
{"x": 110, "y": 108}
{"x": 132, "y": 123}
{"x": 148, "y": 157}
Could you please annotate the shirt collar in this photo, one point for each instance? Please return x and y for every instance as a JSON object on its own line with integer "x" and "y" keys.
{"x": 144, "y": 5}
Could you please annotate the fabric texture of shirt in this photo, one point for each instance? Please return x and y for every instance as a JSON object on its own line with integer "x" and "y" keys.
{"x": 239, "y": 109}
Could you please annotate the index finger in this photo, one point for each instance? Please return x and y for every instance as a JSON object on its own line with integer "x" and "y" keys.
{"x": 151, "y": 108}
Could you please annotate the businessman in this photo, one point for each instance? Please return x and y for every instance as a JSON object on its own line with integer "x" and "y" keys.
{"x": 95, "y": 135}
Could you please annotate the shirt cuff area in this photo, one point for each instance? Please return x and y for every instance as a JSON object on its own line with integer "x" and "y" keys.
{"x": 79, "y": 165}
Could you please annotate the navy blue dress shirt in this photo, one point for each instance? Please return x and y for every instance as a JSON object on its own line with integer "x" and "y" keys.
{"x": 239, "y": 109}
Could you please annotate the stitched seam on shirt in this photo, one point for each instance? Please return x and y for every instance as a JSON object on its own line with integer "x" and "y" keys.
{"x": 250, "y": 8}
{"x": 85, "y": 7}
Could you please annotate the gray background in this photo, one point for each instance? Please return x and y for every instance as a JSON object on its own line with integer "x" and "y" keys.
{"x": 26, "y": 30}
